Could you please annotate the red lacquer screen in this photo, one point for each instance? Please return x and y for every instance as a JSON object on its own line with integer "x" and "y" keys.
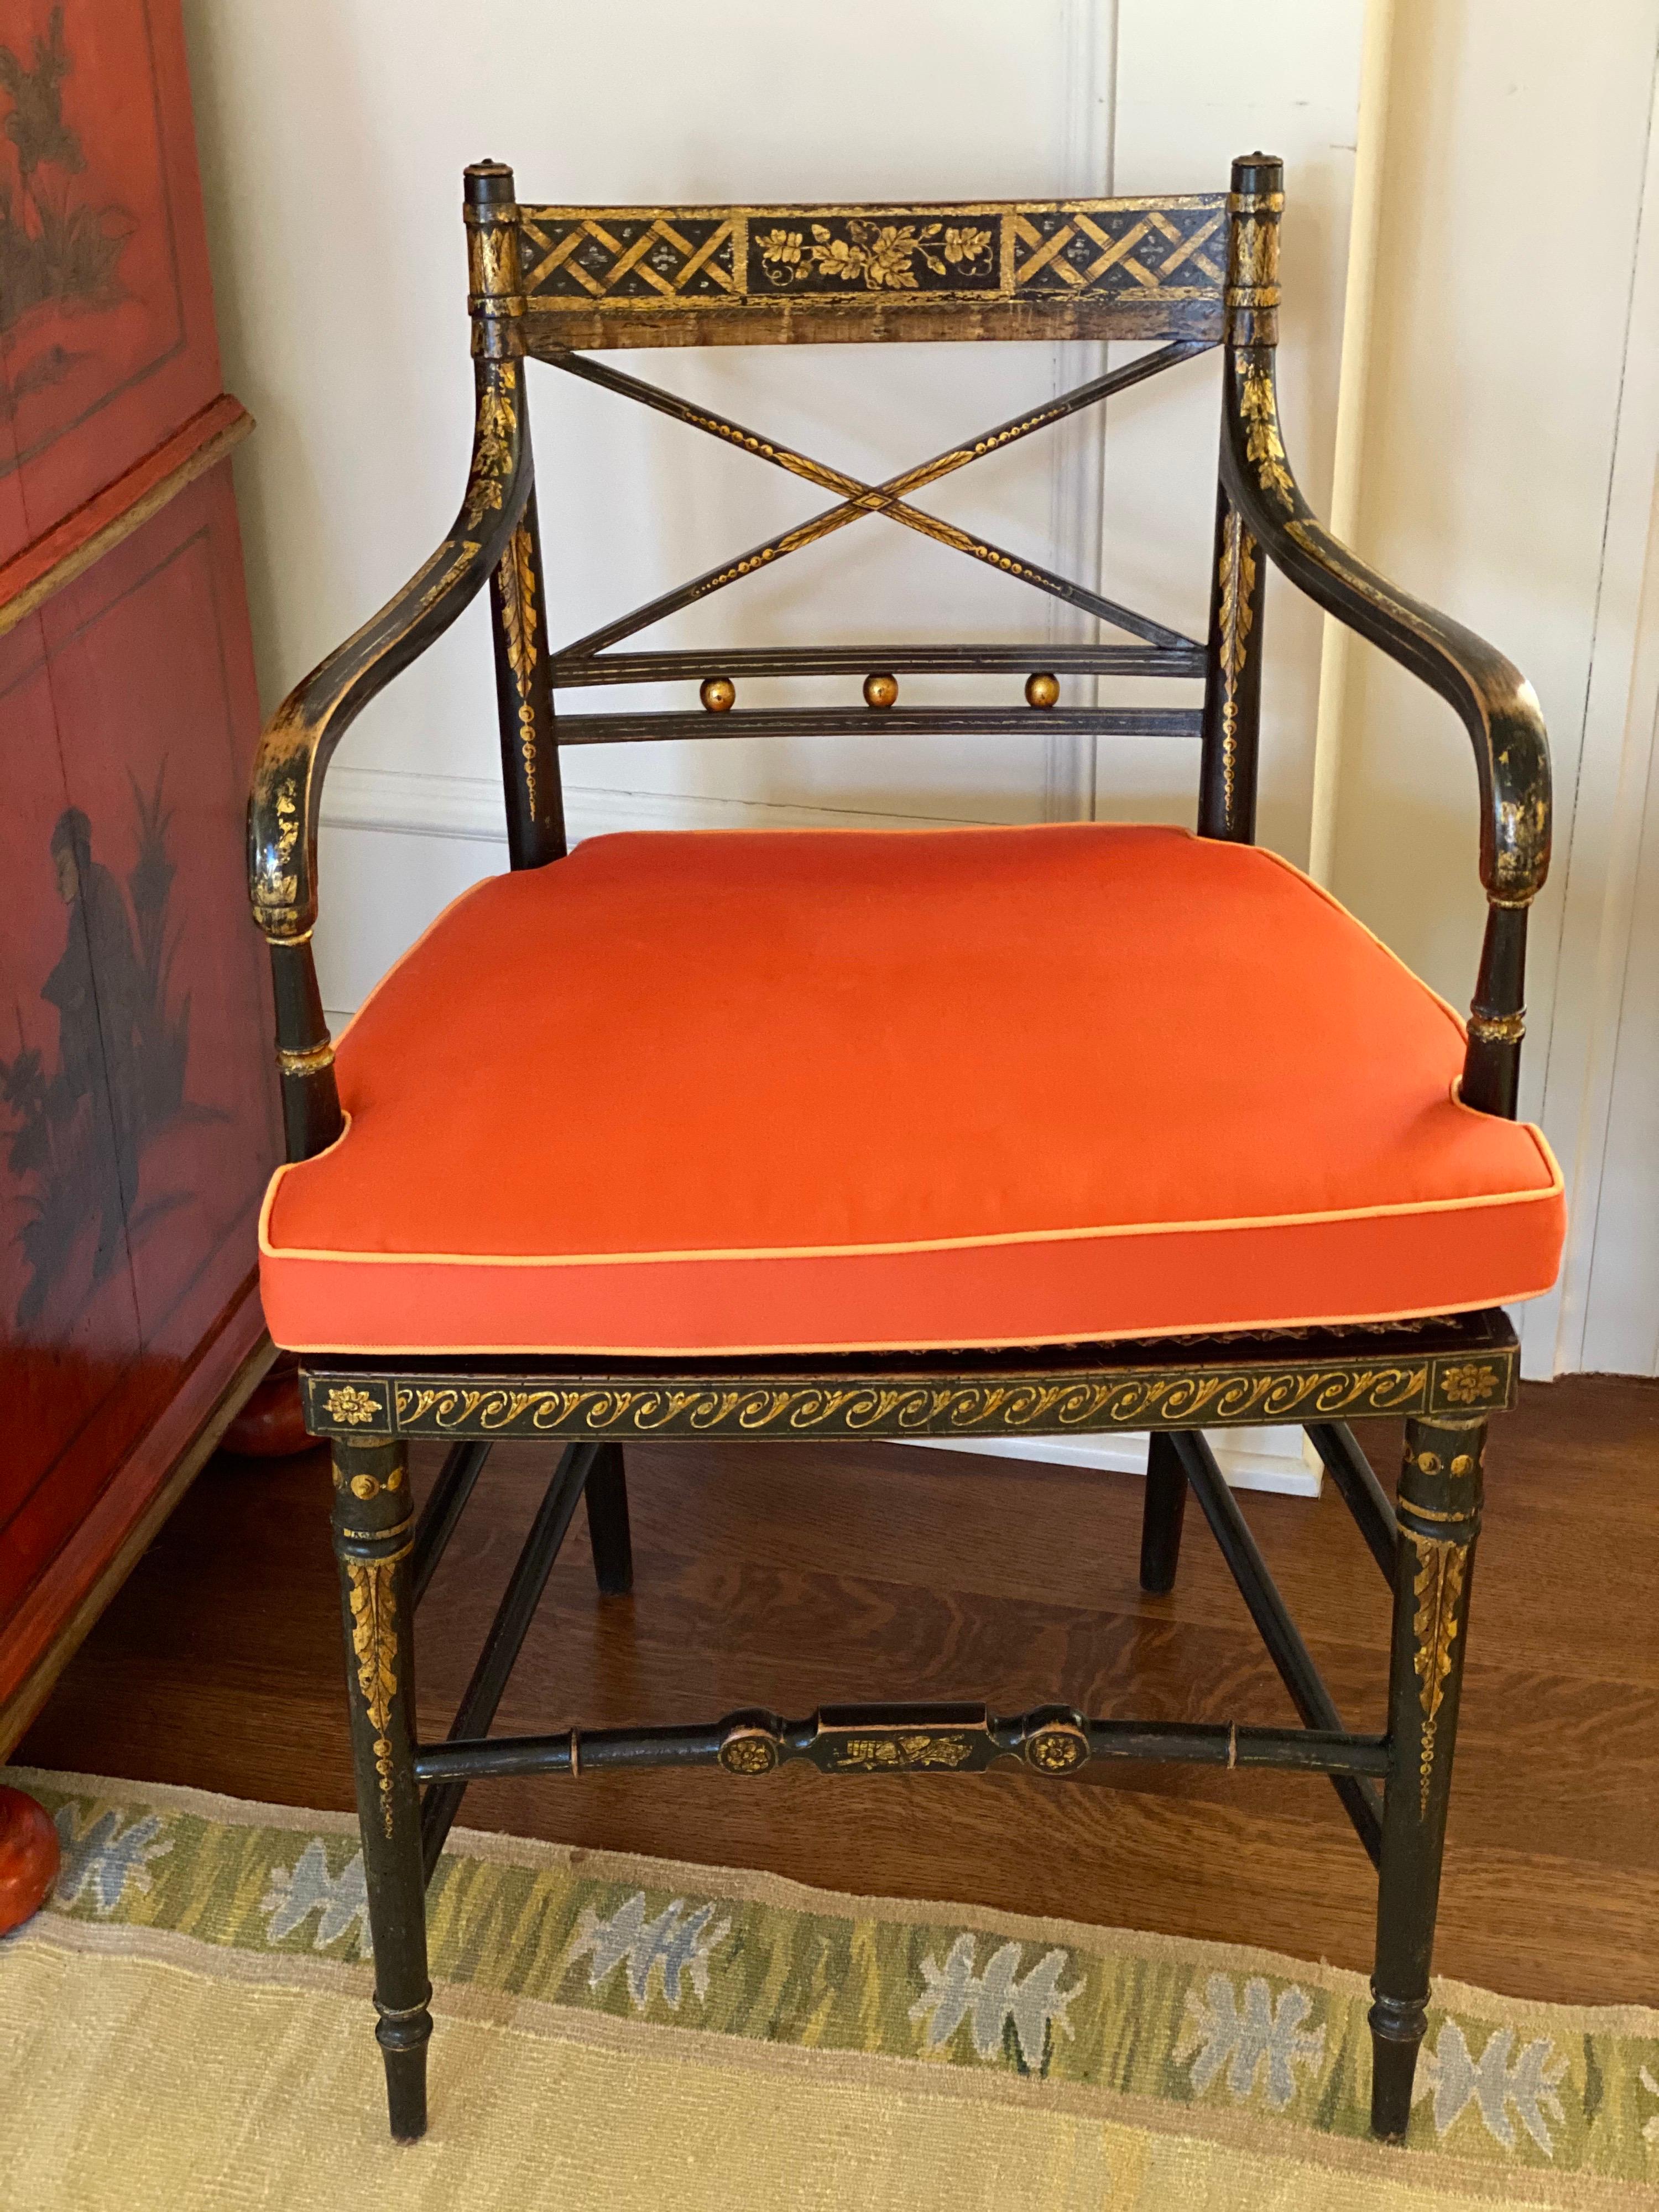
{"x": 137, "y": 1121}
{"x": 107, "y": 337}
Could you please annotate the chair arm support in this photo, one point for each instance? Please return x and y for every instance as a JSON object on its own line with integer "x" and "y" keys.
{"x": 301, "y": 736}
{"x": 1497, "y": 705}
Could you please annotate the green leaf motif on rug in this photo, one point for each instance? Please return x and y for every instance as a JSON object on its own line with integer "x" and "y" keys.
{"x": 1449, "y": 2074}
{"x": 1260, "y": 2042}
{"x": 339, "y": 1900}
{"x": 102, "y": 1859}
{"x": 1007, "y": 2017}
{"x": 1649, "y": 2082}
{"x": 676, "y": 1944}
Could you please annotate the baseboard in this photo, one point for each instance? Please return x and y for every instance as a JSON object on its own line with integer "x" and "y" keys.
{"x": 406, "y": 803}
{"x": 1278, "y": 1459}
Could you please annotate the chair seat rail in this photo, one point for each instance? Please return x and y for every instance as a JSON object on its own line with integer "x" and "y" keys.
{"x": 1453, "y": 1364}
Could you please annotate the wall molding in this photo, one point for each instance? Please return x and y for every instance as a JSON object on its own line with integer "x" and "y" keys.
{"x": 1077, "y": 485}
{"x": 1277, "y": 1460}
{"x": 1603, "y": 857}
{"x": 1353, "y": 382}
{"x": 419, "y": 803}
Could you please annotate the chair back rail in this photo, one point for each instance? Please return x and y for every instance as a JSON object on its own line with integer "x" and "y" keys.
{"x": 1194, "y": 270}
{"x": 892, "y": 721}
{"x": 610, "y": 277}
{"x": 574, "y": 671}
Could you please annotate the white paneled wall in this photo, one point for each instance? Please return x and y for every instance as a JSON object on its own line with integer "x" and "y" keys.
{"x": 1508, "y": 474}
{"x": 1195, "y": 85}
{"x": 1602, "y": 1070}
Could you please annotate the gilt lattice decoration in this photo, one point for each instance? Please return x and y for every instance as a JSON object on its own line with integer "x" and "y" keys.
{"x": 1166, "y": 254}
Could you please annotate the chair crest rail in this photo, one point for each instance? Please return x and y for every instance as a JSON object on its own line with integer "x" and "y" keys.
{"x": 607, "y": 277}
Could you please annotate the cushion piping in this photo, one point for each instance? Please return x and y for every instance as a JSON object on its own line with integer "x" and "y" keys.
{"x": 342, "y": 1255}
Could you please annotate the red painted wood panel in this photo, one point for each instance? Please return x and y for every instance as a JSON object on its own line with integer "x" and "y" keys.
{"x": 139, "y": 1119}
{"x": 106, "y": 334}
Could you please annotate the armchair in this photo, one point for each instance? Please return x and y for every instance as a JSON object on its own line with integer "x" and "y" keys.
{"x": 752, "y": 1133}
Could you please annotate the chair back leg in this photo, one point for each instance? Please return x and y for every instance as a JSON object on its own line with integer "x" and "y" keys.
{"x": 607, "y": 1521}
{"x": 1161, "y": 1516}
{"x": 1439, "y": 1516}
{"x": 523, "y": 694}
{"x": 373, "y": 1532}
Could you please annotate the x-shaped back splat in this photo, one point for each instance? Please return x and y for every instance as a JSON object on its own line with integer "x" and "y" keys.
{"x": 1162, "y": 652}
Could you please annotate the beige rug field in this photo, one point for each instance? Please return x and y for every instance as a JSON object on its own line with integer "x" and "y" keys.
{"x": 187, "y": 2025}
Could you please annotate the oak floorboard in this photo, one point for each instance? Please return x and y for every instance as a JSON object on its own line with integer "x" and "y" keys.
{"x": 792, "y": 1575}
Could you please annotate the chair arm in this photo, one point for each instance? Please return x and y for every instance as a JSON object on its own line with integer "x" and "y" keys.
{"x": 1498, "y": 706}
{"x": 301, "y": 736}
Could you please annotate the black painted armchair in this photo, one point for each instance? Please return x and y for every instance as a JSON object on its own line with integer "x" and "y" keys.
{"x": 958, "y": 1133}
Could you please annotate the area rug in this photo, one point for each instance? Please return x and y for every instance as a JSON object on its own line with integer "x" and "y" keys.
{"x": 186, "y": 2025}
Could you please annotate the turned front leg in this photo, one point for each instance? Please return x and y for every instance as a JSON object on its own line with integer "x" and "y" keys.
{"x": 373, "y": 1529}
{"x": 1439, "y": 1514}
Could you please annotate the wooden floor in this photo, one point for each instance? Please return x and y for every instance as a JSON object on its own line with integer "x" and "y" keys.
{"x": 795, "y": 1575}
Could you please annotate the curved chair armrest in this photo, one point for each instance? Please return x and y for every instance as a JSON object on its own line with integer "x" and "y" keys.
{"x": 301, "y": 738}
{"x": 1498, "y": 706}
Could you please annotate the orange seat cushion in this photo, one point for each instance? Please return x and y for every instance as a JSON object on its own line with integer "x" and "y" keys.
{"x": 831, "y": 1090}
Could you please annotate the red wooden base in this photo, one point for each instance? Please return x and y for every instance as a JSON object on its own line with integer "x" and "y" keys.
{"x": 272, "y": 1423}
{"x": 28, "y": 1858}
{"x": 57, "y": 1610}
